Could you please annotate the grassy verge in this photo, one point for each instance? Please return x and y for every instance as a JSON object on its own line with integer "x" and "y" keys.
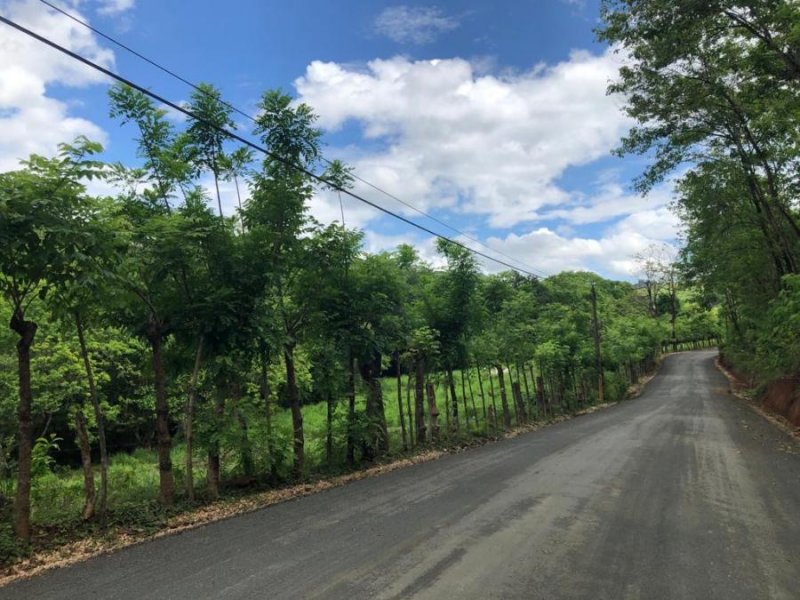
{"x": 61, "y": 537}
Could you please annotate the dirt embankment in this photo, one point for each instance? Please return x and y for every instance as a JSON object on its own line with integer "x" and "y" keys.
{"x": 780, "y": 397}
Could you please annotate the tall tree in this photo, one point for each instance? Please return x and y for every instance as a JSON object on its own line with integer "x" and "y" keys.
{"x": 451, "y": 310}
{"x": 277, "y": 210}
{"x": 698, "y": 85}
{"x": 43, "y": 210}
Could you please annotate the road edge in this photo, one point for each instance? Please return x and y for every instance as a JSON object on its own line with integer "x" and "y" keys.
{"x": 88, "y": 548}
{"x": 736, "y": 389}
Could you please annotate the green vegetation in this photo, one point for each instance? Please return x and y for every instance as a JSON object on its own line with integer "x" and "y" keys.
{"x": 714, "y": 89}
{"x": 161, "y": 355}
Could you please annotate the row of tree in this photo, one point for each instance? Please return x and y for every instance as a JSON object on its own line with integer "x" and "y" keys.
{"x": 714, "y": 88}
{"x": 155, "y": 316}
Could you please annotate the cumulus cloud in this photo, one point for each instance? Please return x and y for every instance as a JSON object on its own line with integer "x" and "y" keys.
{"x": 30, "y": 119}
{"x": 453, "y": 137}
{"x": 415, "y": 25}
{"x": 609, "y": 200}
{"x": 481, "y": 144}
{"x": 114, "y": 8}
{"x": 611, "y": 254}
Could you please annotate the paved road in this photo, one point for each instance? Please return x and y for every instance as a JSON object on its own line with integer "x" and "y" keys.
{"x": 683, "y": 493}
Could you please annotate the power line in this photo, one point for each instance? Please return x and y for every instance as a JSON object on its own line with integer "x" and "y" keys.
{"x": 247, "y": 142}
{"x": 237, "y": 110}
{"x": 443, "y": 223}
{"x": 142, "y": 56}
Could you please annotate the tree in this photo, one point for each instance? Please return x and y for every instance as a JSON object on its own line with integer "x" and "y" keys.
{"x": 277, "y": 211}
{"x": 77, "y": 303}
{"x": 205, "y": 138}
{"x": 378, "y": 296}
{"x": 166, "y": 165}
{"x": 237, "y": 167}
{"x": 42, "y": 210}
{"x": 451, "y": 307}
{"x": 699, "y": 85}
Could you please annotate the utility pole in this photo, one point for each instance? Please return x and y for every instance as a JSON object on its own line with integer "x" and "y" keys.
{"x": 598, "y": 357}
{"x": 673, "y": 293}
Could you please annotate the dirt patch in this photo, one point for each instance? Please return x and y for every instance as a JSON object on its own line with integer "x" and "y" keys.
{"x": 779, "y": 403}
{"x": 780, "y": 395}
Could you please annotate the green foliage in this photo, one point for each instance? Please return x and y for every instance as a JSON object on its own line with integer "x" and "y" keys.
{"x": 43, "y": 447}
{"x": 713, "y": 88}
{"x": 777, "y": 347}
{"x": 264, "y": 324}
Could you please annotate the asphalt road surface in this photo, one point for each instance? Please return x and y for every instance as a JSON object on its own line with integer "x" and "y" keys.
{"x": 682, "y": 493}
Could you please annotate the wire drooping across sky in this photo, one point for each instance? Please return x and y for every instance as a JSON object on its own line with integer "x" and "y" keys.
{"x": 248, "y": 116}
{"x": 236, "y": 137}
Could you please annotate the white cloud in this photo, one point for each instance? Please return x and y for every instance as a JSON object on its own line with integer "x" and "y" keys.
{"x": 114, "y": 8}
{"x": 459, "y": 139}
{"x": 547, "y": 251}
{"x": 658, "y": 224}
{"x": 30, "y": 119}
{"x": 477, "y": 143}
{"x": 416, "y": 25}
{"x": 609, "y": 201}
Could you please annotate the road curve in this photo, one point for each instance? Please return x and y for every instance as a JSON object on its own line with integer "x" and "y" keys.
{"x": 682, "y": 493}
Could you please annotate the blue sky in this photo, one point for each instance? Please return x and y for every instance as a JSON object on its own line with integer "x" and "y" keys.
{"x": 493, "y": 117}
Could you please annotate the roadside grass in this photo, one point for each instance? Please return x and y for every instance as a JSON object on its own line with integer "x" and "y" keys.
{"x": 133, "y": 509}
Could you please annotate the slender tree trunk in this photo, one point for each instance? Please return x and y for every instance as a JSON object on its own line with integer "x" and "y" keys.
{"x": 513, "y": 399}
{"x": 409, "y": 412}
{"x": 534, "y": 399}
{"x": 248, "y": 466}
{"x": 400, "y": 403}
{"x": 472, "y": 399}
{"x": 239, "y": 199}
{"x": 480, "y": 388}
{"x": 673, "y": 307}
{"x": 453, "y": 398}
{"x": 522, "y": 377}
{"x": 493, "y": 408}
{"x": 464, "y": 400}
{"x": 540, "y": 395}
{"x": 433, "y": 413}
{"x": 245, "y": 449}
{"x": 516, "y": 391}
{"x": 167, "y": 484}
{"x": 503, "y": 398}
{"x": 266, "y": 398}
{"x": 214, "y": 471}
{"x": 90, "y": 494}
{"x": 598, "y": 356}
{"x": 188, "y": 427}
{"x": 419, "y": 397}
{"x": 351, "y": 409}
{"x": 297, "y": 412}
{"x": 99, "y": 415}
{"x": 329, "y": 428}
{"x": 447, "y": 425}
{"x": 216, "y": 185}
{"x": 525, "y": 381}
